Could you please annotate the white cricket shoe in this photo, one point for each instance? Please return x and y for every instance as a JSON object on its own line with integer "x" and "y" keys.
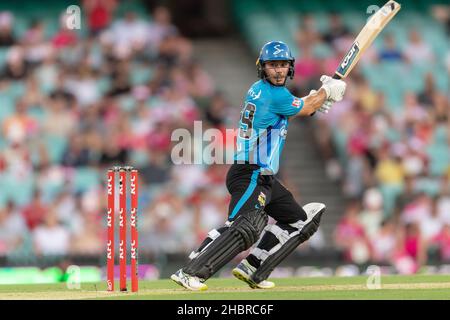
{"x": 244, "y": 271}
{"x": 189, "y": 282}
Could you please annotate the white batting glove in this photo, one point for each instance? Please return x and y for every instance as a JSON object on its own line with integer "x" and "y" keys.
{"x": 334, "y": 88}
{"x": 326, "y": 106}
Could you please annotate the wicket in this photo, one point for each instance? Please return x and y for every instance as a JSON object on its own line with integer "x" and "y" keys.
{"x": 122, "y": 227}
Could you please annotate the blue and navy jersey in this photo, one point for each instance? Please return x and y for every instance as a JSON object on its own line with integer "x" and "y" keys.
{"x": 263, "y": 125}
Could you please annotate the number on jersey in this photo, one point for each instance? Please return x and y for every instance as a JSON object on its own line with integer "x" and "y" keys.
{"x": 246, "y": 123}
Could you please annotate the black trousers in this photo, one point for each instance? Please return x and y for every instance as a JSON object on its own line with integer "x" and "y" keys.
{"x": 250, "y": 189}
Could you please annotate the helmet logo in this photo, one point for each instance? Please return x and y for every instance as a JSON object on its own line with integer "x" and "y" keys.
{"x": 278, "y": 49}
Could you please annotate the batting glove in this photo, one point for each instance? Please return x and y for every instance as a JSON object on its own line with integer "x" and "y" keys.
{"x": 326, "y": 106}
{"x": 334, "y": 88}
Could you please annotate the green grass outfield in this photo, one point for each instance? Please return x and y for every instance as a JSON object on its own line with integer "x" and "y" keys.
{"x": 392, "y": 287}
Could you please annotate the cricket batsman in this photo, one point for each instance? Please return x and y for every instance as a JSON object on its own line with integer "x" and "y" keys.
{"x": 255, "y": 192}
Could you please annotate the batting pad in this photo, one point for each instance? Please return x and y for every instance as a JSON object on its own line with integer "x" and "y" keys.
{"x": 287, "y": 242}
{"x": 241, "y": 235}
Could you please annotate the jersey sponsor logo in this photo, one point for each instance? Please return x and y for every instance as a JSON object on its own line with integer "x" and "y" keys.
{"x": 253, "y": 94}
{"x": 296, "y": 103}
{"x": 262, "y": 199}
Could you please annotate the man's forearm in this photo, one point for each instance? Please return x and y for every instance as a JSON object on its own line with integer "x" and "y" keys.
{"x": 312, "y": 103}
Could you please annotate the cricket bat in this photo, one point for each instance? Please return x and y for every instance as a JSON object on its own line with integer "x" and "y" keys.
{"x": 373, "y": 27}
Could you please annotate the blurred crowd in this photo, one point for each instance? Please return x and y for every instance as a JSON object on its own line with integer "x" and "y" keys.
{"x": 76, "y": 102}
{"x": 392, "y": 157}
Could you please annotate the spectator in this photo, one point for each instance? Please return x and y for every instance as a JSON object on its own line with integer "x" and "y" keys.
{"x": 61, "y": 92}
{"x": 160, "y": 28}
{"x": 412, "y": 112}
{"x": 306, "y": 68}
{"x": 68, "y": 210}
{"x": 20, "y": 126}
{"x": 182, "y": 223}
{"x": 51, "y": 238}
{"x": 407, "y": 196}
{"x": 367, "y": 97}
{"x": 216, "y": 112}
{"x": 417, "y": 210}
{"x": 76, "y": 153}
{"x": 201, "y": 84}
{"x": 7, "y": 38}
{"x": 443, "y": 241}
{"x": 112, "y": 154}
{"x": 336, "y": 31}
{"x": 36, "y": 48}
{"x": 443, "y": 202}
{"x": 158, "y": 226}
{"x": 65, "y": 37}
{"x": 371, "y": 216}
{"x": 441, "y": 110}
{"x": 390, "y": 52}
{"x": 85, "y": 241}
{"x": 350, "y": 236}
{"x": 99, "y": 14}
{"x": 16, "y": 67}
{"x": 84, "y": 87}
{"x": 388, "y": 170}
{"x": 418, "y": 51}
{"x": 384, "y": 243}
{"x": 34, "y": 97}
{"x": 431, "y": 226}
{"x": 35, "y": 212}
{"x": 411, "y": 250}
{"x": 175, "y": 50}
{"x": 307, "y": 32}
{"x": 414, "y": 160}
{"x": 158, "y": 138}
{"x": 157, "y": 171}
{"x": 209, "y": 211}
{"x": 60, "y": 120}
{"x": 426, "y": 97}
{"x": 121, "y": 84}
{"x": 12, "y": 229}
{"x": 442, "y": 14}
{"x": 357, "y": 167}
{"x": 128, "y": 34}
{"x": 355, "y": 175}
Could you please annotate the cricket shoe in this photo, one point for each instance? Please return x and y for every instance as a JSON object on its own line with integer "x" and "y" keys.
{"x": 189, "y": 282}
{"x": 244, "y": 271}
